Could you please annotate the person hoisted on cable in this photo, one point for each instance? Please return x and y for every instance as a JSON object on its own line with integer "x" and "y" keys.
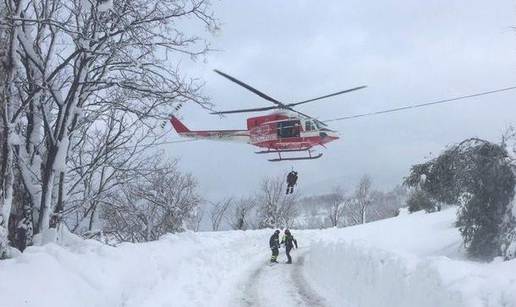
{"x": 291, "y": 181}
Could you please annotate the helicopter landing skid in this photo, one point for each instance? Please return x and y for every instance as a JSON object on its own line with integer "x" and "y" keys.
{"x": 280, "y": 151}
{"x": 310, "y": 157}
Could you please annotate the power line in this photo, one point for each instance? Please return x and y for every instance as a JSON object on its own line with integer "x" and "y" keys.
{"x": 161, "y": 143}
{"x": 155, "y": 144}
{"x": 422, "y": 104}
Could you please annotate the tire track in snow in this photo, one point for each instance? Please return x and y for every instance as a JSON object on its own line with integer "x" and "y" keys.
{"x": 279, "y": 285}
{"x": 250, "y": 295}
{"x": 310, "y": 297}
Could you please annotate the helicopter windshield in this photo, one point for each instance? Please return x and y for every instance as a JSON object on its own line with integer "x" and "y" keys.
{"x": 310, "y": 125}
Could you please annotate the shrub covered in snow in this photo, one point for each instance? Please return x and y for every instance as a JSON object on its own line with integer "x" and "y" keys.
{"x": 476, "y": 175}
{"x": 419, "y": 200}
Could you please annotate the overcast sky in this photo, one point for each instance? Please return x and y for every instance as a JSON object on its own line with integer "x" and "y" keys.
{"x": 406, "y": 52}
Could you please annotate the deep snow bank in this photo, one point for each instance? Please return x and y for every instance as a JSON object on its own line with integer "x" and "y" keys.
{"x": 179, "y": 270}
{"x": 412, "y": 260}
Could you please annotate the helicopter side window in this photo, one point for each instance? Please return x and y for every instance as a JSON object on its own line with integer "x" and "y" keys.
{"x": 289, "y": 129}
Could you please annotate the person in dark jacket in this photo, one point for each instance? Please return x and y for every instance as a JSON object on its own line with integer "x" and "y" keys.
{"x": 274, "y": 244}
{"x": 291, "y": 181}
{"x": 295, "y": 178}
{"x": 290, "y": 242}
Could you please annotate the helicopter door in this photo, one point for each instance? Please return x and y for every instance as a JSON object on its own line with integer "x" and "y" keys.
{"x": 289, "y": 129}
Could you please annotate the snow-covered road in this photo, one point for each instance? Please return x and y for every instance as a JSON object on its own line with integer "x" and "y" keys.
{"x": 279, "y": 285}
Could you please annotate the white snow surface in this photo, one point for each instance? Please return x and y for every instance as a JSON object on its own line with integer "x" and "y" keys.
{"x": 105, "y": 5}
{"x": 411, "y": 260}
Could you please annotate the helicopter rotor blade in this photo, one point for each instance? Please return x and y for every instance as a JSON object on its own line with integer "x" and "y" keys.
{"x": 246, "y": 110}
{"x": 250, "y": 88}
{"x": 326, "y": 96}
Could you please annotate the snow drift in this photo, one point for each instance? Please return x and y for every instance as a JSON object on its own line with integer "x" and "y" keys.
{"x": 413, "y": 260}
{"x": 407, "y": 261}
{"x": 186, "y": 269}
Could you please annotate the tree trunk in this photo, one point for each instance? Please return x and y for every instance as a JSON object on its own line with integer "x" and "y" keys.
{"x": 7, "y": 72}
{"x": 92, "y": 216}
{"x": 46, "y": 194}
{"x": 6, "y": 194}
{"x": 58, "y": 210}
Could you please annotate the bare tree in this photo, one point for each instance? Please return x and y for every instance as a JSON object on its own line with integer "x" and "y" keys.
{"x": 196, "y": 219}
{"x": 314, "y": 219}
{"x": 218, "y": 212}
{"x": 242, "y": 213}
{"x": 75, "y": 61}
{"x": 336, "y": 207}
{"x": 363, "y": 197}
{"x": 387, "y": 204}
{"x": 102, "y": 159}
{"x": 157, "y": 202}
{"x": 276, "y": 208}
{"x": 340, "y": 209}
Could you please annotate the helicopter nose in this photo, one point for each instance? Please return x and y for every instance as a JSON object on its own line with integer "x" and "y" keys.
{"x": 329, "y": 135}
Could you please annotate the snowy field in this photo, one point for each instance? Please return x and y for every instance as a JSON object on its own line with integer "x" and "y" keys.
{"x": 411, "y": 260}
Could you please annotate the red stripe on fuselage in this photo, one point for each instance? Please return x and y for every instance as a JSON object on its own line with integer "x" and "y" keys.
{"x": 295, "y": 142}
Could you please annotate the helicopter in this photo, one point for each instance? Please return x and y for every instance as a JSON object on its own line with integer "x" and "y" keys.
{"x": 285, "y": 130}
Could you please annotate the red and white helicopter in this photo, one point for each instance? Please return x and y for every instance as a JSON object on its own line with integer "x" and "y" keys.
{"x": 283, "y": 131}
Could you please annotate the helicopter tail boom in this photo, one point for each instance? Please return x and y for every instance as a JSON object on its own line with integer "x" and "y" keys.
{"x": 217, "y": 135}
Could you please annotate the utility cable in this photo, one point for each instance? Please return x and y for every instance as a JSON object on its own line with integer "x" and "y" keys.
{"x": 422, "y": 104}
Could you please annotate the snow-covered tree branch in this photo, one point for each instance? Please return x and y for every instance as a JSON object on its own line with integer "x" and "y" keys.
{"x": 87, "y": 83}
{"x": 157, "y": 201}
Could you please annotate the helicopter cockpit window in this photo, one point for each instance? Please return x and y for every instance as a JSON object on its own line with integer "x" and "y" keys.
{"x": 309, "y": 126}
{"x": 289, "y": 129}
